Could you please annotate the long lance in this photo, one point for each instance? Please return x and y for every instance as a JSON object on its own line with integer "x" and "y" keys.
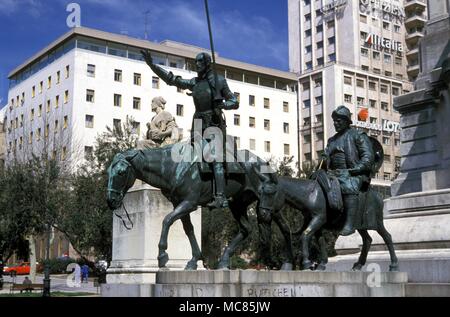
{"x": 217, "y": 97}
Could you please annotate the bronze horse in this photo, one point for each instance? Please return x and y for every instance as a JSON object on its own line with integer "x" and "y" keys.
{"x": 186, "y": 187}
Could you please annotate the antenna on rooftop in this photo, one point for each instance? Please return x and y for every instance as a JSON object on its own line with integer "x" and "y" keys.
{"x": 146, "y": 13}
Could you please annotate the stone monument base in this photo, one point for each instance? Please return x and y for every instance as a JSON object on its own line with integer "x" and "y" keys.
{"x": 428, "y": 270}
{"x": 252, "y": 283}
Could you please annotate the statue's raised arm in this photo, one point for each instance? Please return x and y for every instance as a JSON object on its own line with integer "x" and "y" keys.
{"x": 168, "y": 77}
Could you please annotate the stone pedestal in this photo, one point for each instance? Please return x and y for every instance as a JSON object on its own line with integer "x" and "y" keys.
{"x": 251, "y": 283}
{"x": 135, "y": 252}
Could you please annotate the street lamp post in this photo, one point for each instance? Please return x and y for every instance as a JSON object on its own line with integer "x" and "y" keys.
{"x": 46, "y": 292}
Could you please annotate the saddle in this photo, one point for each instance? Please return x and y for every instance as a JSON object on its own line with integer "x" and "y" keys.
{"x": 331, "y": 187}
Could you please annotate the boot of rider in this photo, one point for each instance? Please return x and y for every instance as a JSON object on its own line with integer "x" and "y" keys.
{"x": 220, "y": 200}
{"x": 351, "y": 205}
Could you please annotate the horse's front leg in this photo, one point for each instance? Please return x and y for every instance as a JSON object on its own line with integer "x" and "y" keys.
{"x": 316, "y": 224}
{"x": 180, "y": 211}
{"x": 196, "y": 252}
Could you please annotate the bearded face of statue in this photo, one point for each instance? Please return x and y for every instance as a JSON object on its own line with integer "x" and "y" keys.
{"x": 202, "y": 63}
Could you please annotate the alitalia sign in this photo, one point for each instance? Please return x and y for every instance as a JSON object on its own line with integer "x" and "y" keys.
{"x": 384, "y": 43}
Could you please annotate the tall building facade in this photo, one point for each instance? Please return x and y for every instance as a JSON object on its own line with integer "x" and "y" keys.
{"x": 415, "y": 21}
{"x": 64, "y": 96}
{"x": 352, "y": 53}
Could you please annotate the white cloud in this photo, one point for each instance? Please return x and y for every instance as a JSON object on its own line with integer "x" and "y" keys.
{"x": 31, "y": 7}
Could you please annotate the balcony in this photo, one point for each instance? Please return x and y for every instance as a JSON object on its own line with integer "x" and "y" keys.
{"x": 413, "y": 54}
{"x": 413, "y": 70}
{"x": 414, "y": 36}
{"x": 416, "y": 21}
{"x": 411, "y": 5}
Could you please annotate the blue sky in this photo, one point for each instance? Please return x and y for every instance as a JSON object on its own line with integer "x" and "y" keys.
{"x": 252, "y": 31}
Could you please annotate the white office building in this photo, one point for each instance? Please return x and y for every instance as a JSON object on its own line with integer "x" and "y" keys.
{"x": 64, "y": 96}
{"x": 352, "y": 53}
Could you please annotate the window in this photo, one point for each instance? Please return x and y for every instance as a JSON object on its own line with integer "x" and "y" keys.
{"x": 237, "y": 141}
{"x": 376, "y": 71}
{"x": 348, "y": 80}
{"x": 180, "y": 110}
{"x": 287, "y": 149}
{"x": 90, "y": 70}
{"x": 360, "y": 83}
{"x": 395, "y": 91}
{"x": 285, "y": 106}
{"x": 376, "y": 55}
{"x": 47, "y": 129}
{"x": 118, "y": 75}
{"x": 307, "y": 139}
{"x": 155, "y": 82}
{"x": 320, "y": 45}
{"x": 41, "y": 86}
{"x": 66, "y": 96}
{"x": 384, "y": 89}
{"x": 266, "y": 103}
{"x": 117, "y": 124}
{"x": 251, "y": 100}
{"x": 137, "y": 79}
{"x": 31, "y": 115}
{"x": 88, "y": 153}
{"x": 331, "y": 40}
{"x": 136, "y": 103}
{"x": 397, "y": 142}
{"x": 308, "y": 49}
{"x": 363, "y": 36}
{"x": 320, "y": 61}
{"x": 330, "y": 24}
{"x": 348, "y": 98}
{"x": 30, "y": 138}
{"x": 56, "y": 126}
{"x": 40, "y": 111}
{"x": 386, "y": 25}
{"x": 387, "y": 158}
{"x": 307, "y": 122}
{"x": 64, "y": 153}
{"x": 173, "y": 64}
{"x": 309, "y": 65}
{"x": 373, "y": 120}
{"x": 365, "y": 67}
{"x": 117, "y": 100}
{"x": 373, "y": 103}
{"x": 267, "y": 146}
{"x": 49, "y": 82}
{"x": 387, "y": 58}
{"x": 364, "y": 52}
{"x": 33, "y": 92}
{"x": 89, "y": 122}
{"x": 48, "y": 106}
{"x": 308, "y": 33}
{"x": 57, "y": 101}
{"x": 58, "y": 77}
{"x": 252, "y": 144}
{"x": 387, "y": 176}
{"x": 237, "y": 120}
{"x": 308, "y": 17}
{"x": 319, "y": 28}
{"x": 385, "y": 106}
{"x": 362, "y": 18}
{"x": 332, "y": 57}
{"x": 286, "y": 128}
{"x": 38, "y": 134}
{"x": 67, "y": 71}
{"x": 372, "y": 85}
{"x": 66, "y": 122}
{"x": 398, "y": 61}
{"x": 90, "y": 95}
{"x": 267, "y": 125}
{"x": 396, "y": 28}
{"x": 361, "y": 101}
{"x": 238, "y": 96}
{"x": 318, "y": 100}
{"x": 252, "y": 122}
{"x": 136, "y": 128}
{"x": 318, "y": 83}
{"x": 307, "y": 103}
